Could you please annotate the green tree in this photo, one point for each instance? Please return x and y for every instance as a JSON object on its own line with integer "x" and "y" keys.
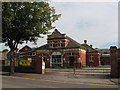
{"x": 25, "y": 21}
{"x": 5, "y": 50}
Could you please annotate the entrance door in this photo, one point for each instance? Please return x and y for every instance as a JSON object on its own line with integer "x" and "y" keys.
{"x": 56, "y": 60}
{"x": 71, "y": 61}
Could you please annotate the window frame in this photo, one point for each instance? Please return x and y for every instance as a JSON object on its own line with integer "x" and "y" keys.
{"x": 91, "y": 58}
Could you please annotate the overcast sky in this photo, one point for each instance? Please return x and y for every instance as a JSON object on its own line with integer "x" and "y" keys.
{"x": 96, "y": 22}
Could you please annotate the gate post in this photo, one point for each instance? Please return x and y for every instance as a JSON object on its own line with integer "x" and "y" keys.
{"x": 113, "y": 61}
{"x": 40, "y": 66}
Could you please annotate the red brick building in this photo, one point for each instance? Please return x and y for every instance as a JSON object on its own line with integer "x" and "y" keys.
{"x": 92, "y": 55}
{"x": 3, "y": 57}
{"x": 25, "y": 49}
{"x": 104, "y": 56}
{"x": 62, "y": 51}
{"x": 26, "y": 54}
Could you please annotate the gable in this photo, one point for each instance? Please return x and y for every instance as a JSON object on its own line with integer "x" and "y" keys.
{"x": 89, "y": 48}
{"x": 56, "y": 35}
{"x": 25, "y": 49}
{"x": 60, "y": 41}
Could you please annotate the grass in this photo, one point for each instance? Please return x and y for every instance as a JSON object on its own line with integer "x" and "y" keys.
{"x": 103, "y": 65}
{"x": 59, "y": 67}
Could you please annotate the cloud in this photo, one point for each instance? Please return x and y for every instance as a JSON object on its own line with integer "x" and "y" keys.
{"x": 107, "y": 45}
{"x": 96, "y": 22}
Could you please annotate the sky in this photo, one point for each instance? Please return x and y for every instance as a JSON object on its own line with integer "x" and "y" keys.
{"x": 96, "y": 22}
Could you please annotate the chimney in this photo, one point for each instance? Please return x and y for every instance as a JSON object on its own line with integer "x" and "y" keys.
{"x": 85, "y": 41}
{"x": 56, "y": 30}
{"x": 91, "y": 46}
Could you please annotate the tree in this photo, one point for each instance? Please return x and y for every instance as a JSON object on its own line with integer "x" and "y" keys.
{"x": 5, "y": 50}
{"x": 25, "y": 21}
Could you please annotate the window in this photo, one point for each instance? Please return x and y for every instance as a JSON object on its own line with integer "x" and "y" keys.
{"x": 1, "y": 56}
{"x": 7, "y": 62}
{"x": 42, "y": 54}
{"x": 51, "y": 45}
{"x": 16, "y": 63}
{"x": 33, "y": 53}
{"x": 30, "y": 59}
{"x": 71, "y": 54}
{"x": 30, "y": 53}
{"x": 21, "y": 57}
{"x": 51, "y": 42}
{"x": 26, "y": 49}
{"x": 60, "y": 41}
{"x": 91, "y": 58}
{"x": 59, "y": 45}
{"x": 54, "y": 45}
{"x": 56, "y": 60}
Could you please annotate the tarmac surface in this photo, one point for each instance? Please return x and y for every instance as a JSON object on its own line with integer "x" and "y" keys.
{"x": 88, "y": 75}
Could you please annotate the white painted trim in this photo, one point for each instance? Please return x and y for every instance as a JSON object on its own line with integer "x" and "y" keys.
{"x": 56, "y": 53}
{"x": 62, "y": 60}
{"x": 50, "y": 61}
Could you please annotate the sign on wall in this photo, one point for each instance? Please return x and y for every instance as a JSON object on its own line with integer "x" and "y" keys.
{"x": 43, "y": 67}
{"x": 25, "y": 62}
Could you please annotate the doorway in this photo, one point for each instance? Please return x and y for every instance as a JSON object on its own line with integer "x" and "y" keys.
{"x": 56, "y": 59}
{"x": 71, "y": 61}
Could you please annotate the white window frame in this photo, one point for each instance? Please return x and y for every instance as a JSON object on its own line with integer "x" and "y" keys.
{"x": 33, "y": 53}
{"x": 51, "y": 45}
{"x": 59, "y": 44}
{"x": 51, "y": 42}
{"x": 91, "y": 58}
{"x": 71, "y": 54}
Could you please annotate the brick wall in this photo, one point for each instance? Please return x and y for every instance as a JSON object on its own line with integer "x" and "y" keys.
{"x": 25, "y": 49}
{"x": 95, "y": 61}
{"x": 105, "y": 60}
{"x": 83, "y": 58}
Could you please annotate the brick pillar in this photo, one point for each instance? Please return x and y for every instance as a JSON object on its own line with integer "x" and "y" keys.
{"x": 39, "y": 66}
{"x": 118, "y": 62}
{"x": 113, "y": 61}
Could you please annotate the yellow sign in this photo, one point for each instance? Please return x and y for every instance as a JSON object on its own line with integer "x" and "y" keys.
{"x": 25, "y": 62}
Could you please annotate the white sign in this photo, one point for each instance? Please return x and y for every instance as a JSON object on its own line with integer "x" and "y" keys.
{"x": 43, "y": 65}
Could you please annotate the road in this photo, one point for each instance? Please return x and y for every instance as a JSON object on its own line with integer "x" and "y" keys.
{"x": 21, "y": 82}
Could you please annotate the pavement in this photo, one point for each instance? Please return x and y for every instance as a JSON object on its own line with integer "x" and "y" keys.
{"x": 70, "y": 76}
